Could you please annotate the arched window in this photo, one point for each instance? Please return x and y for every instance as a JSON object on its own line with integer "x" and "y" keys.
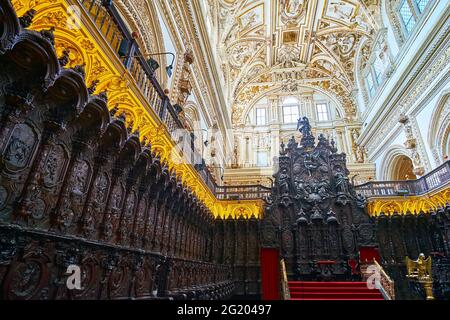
{"x": 290, "y": 110}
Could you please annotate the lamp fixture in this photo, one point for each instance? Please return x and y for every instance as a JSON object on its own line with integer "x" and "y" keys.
{"x": 154, "y": 65}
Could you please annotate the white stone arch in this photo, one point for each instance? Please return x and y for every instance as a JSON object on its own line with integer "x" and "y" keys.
{"x": 439, "y": 132}
{"x": 389, "y": 161}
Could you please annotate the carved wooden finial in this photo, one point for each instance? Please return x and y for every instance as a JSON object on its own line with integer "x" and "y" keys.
{"x": 93, "y": 86}
{"x": 136, "y": 132}
{"x": 123, "y": 117}
{"x": 80, "y": 69}
{"x": 64, "y": 59}
{"x": 103, "y": 95}
{"x": 49, "y": 35}
{"x": 114, "y": 110}
{"x": 27, "y": 19}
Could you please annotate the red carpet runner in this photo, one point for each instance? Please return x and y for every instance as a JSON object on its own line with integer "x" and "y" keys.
{"x": 301, "y": 290}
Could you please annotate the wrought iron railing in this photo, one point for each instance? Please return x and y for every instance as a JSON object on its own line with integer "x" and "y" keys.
{"x": 438, "y": 178}
{"x": 243, "y": 192}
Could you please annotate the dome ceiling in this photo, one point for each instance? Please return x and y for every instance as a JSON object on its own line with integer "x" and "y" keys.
{"x": 280, "y": 45}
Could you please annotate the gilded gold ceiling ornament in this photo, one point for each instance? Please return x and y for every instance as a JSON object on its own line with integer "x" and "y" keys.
{"x": 291, "y": 11}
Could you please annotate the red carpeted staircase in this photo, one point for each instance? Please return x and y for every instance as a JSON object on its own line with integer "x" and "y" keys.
{"x": 302, "y": 290}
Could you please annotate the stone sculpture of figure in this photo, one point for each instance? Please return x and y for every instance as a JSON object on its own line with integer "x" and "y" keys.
{"x": 355, "y": 135}
{"x": 359, "y": 154}
{"x": 341, "y": 183}
{"x": 323, "y": 189}
{"x": 304, "y": 127}
{"x": 284, "y": 182}
{"x": 360, "y": 200}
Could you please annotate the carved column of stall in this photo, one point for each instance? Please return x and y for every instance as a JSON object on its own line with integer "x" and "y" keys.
{"x": 173, "y": 237}
{"x": 139, "y": 218}
{"x": 217, "y": 240}
{"x": 92, "y": 178}
{"x": 194, "y": 232}
{"x": 181, "y": 224}
{"x": 171, "y": 215}
{"x": 188, "y": 227}
{"x": 196, "y": 235}
{"x": 84, "y": 148}
{"x": 185, "y": 226}
{"x": 162, "y": 212}
{"x": 208, "y": 238}
{"x": 117, "y": 201}
{"x": 202, "y": 236}
{"x": 31, "y": 206}
{"x": 171, "y": 247}
{"x": 125, "y": 220}
{"x": 152, "y": 197}
{"x": 193, "y": 235}
{"x": 159, "y": 203}
{"x": 211, "y": 230}
{"x": 168, "y": 217}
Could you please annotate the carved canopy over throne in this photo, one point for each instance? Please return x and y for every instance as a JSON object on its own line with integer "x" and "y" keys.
{"x": 314, "y": 215}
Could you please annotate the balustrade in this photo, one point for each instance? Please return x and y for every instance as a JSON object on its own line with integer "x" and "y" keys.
{"x": 439, "y": 177}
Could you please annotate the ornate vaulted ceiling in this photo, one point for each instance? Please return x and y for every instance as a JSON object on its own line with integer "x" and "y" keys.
{"x": 270, "y": 45}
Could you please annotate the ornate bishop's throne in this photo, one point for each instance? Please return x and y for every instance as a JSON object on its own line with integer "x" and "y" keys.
{"x": 314, "y": 216}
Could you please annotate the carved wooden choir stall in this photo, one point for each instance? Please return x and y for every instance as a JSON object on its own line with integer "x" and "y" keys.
{"x": 77, "y": 187}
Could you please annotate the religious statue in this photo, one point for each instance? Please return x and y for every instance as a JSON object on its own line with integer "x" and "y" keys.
{"x": 359, "y": 154}
{"x": 355, "y": 135}
{"x": 341, "y": 183}
{"x": 284, "y": 182}
{"x": 304, "y": 127}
